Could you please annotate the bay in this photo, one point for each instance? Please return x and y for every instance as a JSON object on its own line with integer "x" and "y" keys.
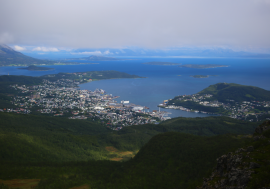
{"x": 164, "y": 82}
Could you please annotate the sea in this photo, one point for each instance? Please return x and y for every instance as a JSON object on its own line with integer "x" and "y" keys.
{"x": 163, "y": 82}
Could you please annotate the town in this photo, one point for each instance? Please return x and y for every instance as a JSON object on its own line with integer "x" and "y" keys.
{"x": 63, "y": 98}
{"x": 245, "y": 110}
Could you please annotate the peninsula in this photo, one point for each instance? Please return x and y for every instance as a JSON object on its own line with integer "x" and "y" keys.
{"x": 162, "y": 63}
{"x": 229, "y": 99}
{"x": 36, "y": 68}
{"x": 202, "y": 66}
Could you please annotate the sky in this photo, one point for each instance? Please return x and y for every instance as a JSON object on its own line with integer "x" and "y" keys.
{"x": 66, "y": 25}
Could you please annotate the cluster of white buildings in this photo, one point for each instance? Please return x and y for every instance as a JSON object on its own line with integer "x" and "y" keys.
{"x": 55, "y": 99}
{"x": 238, "y": 110}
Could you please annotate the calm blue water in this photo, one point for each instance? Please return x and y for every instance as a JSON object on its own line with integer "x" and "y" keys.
{"x": 163, "y": 82}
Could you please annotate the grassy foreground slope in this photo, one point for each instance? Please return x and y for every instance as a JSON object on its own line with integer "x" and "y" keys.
{"x": 170, "y": 160}
{"x": 28, "y": 138}
{"x": 66, "y": 153}
{"x": 177, "y": 160}
{"x": 31, "y": 138}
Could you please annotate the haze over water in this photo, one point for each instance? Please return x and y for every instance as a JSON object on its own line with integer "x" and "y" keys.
{"x": 164, "y": 82}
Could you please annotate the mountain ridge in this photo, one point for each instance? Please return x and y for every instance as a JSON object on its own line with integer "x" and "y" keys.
{"x": 9, "y": 56}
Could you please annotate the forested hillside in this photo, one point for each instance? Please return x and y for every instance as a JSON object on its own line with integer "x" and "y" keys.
{"x": 224, "y": 91}
{"x": 65, "y": 153}
{"x": 36, "y": 138}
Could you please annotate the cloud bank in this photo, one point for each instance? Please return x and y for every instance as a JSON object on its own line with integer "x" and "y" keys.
{"x": 45, "y": 49}
{"x": 143, "y": 23}
{"x": 18, "y": 48}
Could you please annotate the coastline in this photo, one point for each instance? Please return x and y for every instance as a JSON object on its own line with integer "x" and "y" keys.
{"x": 56, "y": 64}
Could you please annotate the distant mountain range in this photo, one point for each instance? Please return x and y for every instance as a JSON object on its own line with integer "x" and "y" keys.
{"x": 95, "y": 58}
{"x": 182, "y": 52}
{"x": 9, "y": 57}
{"x": 220, "y": 52}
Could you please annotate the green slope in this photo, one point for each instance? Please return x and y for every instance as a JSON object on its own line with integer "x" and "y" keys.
{"x": 46, "y": 148}
{"x": 168, "y": 160}
{"x": 172, "y": 160}
{"x": 209, "y": 126}
{"x": 19, "y": 79}
{"x": 177, "y": 160}
{"x": 236, "y": 92}
{"x": 37, "y": 138}
{"x": 41, "y": 138}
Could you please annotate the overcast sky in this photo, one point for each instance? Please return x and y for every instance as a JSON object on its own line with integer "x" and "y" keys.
{"x": 56, "y": 24}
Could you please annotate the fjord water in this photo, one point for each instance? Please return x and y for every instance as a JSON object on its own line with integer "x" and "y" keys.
{"x": 164, "y": 82}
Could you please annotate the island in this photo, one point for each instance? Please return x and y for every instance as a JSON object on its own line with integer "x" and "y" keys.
{"x": 162, "y": 63}
{"x": 36, "y": 68}
{"x": 202, "y": 66}
{"x": 202, "y": 76}
{"x": 83, "y": 77}
{"x": 228, "y": 99}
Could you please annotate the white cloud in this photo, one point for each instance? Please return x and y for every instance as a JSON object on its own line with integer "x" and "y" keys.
{"x": 107, "y": 52}
{"x": 45, "y": 49}
{"x": 18, "y": 48}
{"x": 87, "y": 53}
